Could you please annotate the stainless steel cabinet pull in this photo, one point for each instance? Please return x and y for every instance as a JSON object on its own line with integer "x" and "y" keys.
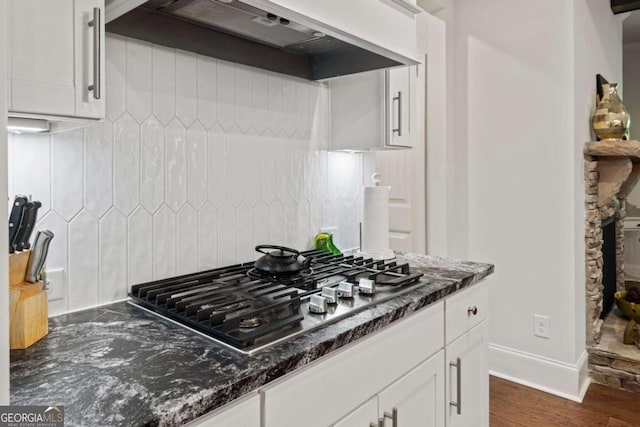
{"x": 458, "y": 403}
{"x": 95, "y": 23}
{"x": 472, "y": 310}
{"x": 393, "y": 416}
{"x": 398, "y": 98}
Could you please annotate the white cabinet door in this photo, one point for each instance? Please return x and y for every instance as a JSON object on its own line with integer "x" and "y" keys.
{"x": 468, "y": 367}
{"x": 375, "y": 110}
{"x": 245, "y": 413}
{"x": 363, "y": 416}
{"x": 89, "y": 59}
{"x": 401, "y": 106}
{"x": 41, "y": 45}
{"x": 52, "y": 57}
{"x": 417, "y": 399}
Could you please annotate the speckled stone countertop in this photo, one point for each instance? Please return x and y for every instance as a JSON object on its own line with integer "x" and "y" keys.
{"x": 119, "y": 366}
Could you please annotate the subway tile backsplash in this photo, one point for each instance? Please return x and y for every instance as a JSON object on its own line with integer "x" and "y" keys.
{"x": 197, "y": 162}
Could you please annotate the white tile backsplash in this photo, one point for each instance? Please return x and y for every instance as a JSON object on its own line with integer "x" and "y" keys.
{"x": 198, "y": 161}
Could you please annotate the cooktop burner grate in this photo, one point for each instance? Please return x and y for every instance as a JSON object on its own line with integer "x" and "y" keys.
{"x": 247, "y": 309}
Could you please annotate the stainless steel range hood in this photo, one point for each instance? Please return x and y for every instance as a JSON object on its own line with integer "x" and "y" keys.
{"x": 238, "y": 32}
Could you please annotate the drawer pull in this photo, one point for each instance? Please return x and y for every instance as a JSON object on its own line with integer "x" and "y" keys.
{"x": 458, "y": 403}
{"x": 472, "y": 310}
{"x": 393, "y": 416}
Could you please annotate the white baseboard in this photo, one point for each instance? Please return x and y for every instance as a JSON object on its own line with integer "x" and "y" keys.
{"x": 551, "y": 376}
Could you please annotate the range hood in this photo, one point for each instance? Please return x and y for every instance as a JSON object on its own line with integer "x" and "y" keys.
{"x": 238, "y": 32}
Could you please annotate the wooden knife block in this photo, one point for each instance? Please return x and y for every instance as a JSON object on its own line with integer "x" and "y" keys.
{"x": 28, "y": 321}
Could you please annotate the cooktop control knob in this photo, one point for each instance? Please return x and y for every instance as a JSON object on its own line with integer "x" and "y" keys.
{"x": 317, "y": 304}
{"x": 345, "y": 290}
{"x": 367, "y": 286}
{"x": 330, "y": 294}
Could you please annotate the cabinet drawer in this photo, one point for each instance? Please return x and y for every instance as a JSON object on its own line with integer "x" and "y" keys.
{"x": 345, "y": 379}
{"x": 465, "y": 310}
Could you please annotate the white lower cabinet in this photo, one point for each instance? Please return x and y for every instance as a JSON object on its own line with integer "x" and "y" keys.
{"x": 416, "y": 399}
{"x": 468, "y": 379}
{"x": 362, "y": 416}
{"x": 405, "y": 375}
{"x": 332, "y": 387}
{"x": 244, "y": 412}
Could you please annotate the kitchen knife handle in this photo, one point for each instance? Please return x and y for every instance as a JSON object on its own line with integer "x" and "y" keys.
{"x": 14, "y": 219}
{"x": 22, "y": 225}
{"x": 30, "y": 222}
{"x": 38, "y": 255}
{"x": 95, "y": 23}
{"x": 45, "y": 252}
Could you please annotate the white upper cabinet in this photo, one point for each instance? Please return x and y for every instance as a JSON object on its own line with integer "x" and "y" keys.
{"x": 388, "y": 26}
{"x": 56, "y": 58}
{"x": 375, "y": 110}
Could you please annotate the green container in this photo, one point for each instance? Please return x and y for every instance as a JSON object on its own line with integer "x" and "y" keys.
{"x": 630, "y": 309}
{"x": 324, "y": 242}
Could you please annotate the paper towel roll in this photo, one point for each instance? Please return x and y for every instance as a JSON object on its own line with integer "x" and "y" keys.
{"x": 375, "y": 221}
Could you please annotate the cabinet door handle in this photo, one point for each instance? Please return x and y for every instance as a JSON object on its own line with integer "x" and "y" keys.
{"x": 95, "y": 23}
{"x": 380, "y": 423}
{"x": 458, "y": 402}
{"x": 472, "y": 310}
{"x": 398, "y": 98}
{"x": 393, "y": 416}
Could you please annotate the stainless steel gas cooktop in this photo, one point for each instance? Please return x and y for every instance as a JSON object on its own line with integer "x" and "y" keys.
{"x": 251, "y": 306}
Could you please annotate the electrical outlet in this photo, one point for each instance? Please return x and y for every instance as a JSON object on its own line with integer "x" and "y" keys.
{"x": 541, "y": 326}
{"x": 56, "y": 283}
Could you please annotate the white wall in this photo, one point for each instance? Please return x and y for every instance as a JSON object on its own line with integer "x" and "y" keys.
{"x": 597, "y": 50}
{"x": 524, "y": 78}
{"x": 198, "y": 161}
{"x": 631, "y": 100}
{"x": 4, "y": 269}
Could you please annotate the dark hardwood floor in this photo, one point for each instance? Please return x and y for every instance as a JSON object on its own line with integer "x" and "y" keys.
{"x": 514, "y": 405}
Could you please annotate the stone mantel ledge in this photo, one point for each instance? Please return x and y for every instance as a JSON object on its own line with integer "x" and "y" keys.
{"x": 618, "y": 168}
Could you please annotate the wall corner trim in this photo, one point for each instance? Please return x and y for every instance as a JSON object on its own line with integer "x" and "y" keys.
{"x": 569, "y": 381}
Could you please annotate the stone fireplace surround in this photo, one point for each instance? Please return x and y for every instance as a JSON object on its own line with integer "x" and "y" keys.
{"x": 611, "y": 171}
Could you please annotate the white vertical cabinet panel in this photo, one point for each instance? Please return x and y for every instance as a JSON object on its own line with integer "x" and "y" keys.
{"x": 89, "y": 104}
{"x": 245, "y": 413}
{"x": 472, "y": 349}
{"x": 418, "y": 397}
{"x": 358, "y": 111}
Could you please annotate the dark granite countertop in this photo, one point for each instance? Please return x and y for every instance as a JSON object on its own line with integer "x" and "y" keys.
{"x": 118, "y": 365}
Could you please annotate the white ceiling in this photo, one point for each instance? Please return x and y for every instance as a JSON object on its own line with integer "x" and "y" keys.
{"x": 631, "y": 28}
